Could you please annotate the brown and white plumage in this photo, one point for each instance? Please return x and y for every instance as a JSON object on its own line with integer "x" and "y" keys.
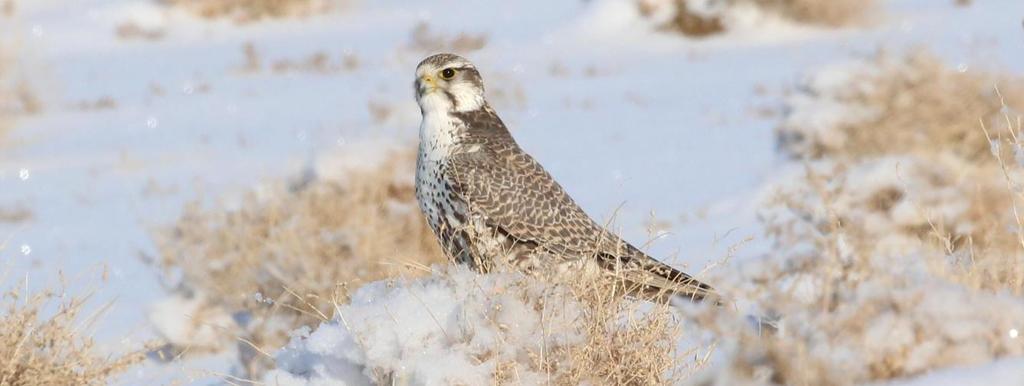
{"x": 486, "y": 199}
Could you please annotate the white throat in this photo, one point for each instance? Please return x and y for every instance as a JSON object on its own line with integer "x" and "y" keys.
{"x": 439, "y": 130}
{"x": 459, "y": 98}
{"x": 438, "y": 135}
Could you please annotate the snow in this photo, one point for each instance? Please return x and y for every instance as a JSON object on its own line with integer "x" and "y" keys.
{"x": 190, "y": 322}
{"x": 636, "y": 122}
{"x": 1006, "y": 372}
{"x": 470, "y": 323}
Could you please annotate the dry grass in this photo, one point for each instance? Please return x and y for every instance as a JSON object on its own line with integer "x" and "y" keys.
{"x": 1000, "y": 266}
{"x": 850, "y": 317}
{"x": 833, "y": 13}
{"x": 424, "y": 39}
{"x": 862, "y": 297}
{"x": 873, "y": 287}
{"x": 252, "y": 10}
{"x": 504, "y": 327}
{"x": 284, "y": 257}
{"x": 697, "y": 19}
{"x": 15, "y": 214}
{"x": 913, "y": 104}
{"x": 131, "y": 30}
{"x": 43, "y": 341}
{"x": 319, "y": 62}
{"x": 626, "y": 337}
{"x": 17, "y": 97}
{"x": 627, "y": 341}
{"x": 682, "y": 18}
{"x": 898, "y": 249}
{"x": 947, "y": 182}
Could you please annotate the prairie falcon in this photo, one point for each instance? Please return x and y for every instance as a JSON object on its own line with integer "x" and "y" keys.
{"x": 486, "y": 199}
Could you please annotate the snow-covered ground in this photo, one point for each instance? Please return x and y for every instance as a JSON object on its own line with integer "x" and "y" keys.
{"x": 660, "y": 131}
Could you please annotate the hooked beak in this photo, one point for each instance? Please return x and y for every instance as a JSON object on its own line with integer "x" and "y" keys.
{"x": 425, "y": 84}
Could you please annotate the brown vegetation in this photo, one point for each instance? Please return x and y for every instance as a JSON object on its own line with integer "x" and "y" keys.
{"x": 627, "y": 341}
{"x": 44, "y": 341}
{"x": 252, "y": 10}
{"x": 319, "y": 62}
{"x": 424, "y": 39}
{"x": 17, "y": 97}
{"x": 685, "y": 18}
{"x": 956, "y": 135}
{"x": 913, "y": 104}
{"x": 506, "y": 327}
{"x": 898, "y": 250}
{"x": 284, "y": 257}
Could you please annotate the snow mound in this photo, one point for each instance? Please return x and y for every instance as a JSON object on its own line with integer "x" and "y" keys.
{"x": 454, "y": 329}
{"x": 461, "y": 327}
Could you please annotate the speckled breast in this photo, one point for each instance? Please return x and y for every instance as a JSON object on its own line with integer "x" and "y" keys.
{"x": 435, "y": 200}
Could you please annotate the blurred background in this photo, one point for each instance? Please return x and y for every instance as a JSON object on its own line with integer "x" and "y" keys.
{"x": 185, "y": 162}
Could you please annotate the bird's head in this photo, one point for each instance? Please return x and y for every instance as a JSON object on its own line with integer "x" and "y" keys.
{"x": 448, "y": 83}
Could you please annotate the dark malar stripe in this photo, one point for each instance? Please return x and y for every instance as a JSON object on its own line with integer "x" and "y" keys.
{"x": 451, "y": 98}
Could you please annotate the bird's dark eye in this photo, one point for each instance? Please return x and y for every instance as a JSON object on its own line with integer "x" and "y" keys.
{"x": 447, "y": 73}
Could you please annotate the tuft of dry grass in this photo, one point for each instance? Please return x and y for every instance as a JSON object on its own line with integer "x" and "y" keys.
{"x": 834, "y": 13}
{"x": 17, "y": 97}
{"x": 620, "y": 338}
{"x": 244, "y": 11}
{"x": 899, "y": 248}
{"x": 682, "y": 18}
{"x": 43, "y": 341}
{"x": 626, "y": 341}
{"x": 931, "y": 153}
{"x": 131, "y": 30}
{"x": 859, "y": 299}
{"x": 15, "y": 214}
{"x": 319, "y": 62}
{"x": 283, "y": 257}
{"x": 701, "y": 19}
{"x": 901, "y": 104}
{"x": 424, "y": 39}
{"x": 1001, "y": 265}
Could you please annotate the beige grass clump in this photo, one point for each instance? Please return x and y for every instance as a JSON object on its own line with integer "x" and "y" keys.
{"x": 849, "y": 317}
{"x": 876, "y": 274}
{"x": 895, "y": 206}
{"x": 678, "y": 16}
{"x": 626, "y": 341}
{"x": 423, "y": 38}
{"x": 17, "y": 97}
{"x": 252, "y": 10}
{"x": 919, "y": 152}
{"x": 701, "y": 19}
{"x": 1000, "y": 268}
{"x": 16, "y": 94}
{"x": 897, "y": 105}
{"x": 284, "y": 257}
{"x": 891, "y": 259}
{"x": 833, "y": 13}
{"x": 44, "y": 341}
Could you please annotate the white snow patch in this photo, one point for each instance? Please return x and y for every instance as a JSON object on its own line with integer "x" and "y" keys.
{"x": 189, "y": 322}
{"x": 451, "y": 328}
{"x": 1006, "y": 372}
